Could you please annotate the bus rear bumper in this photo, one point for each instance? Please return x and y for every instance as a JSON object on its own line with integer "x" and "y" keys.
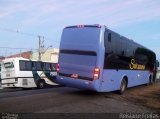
{"x": 9, "y": 85}
{"x": 78, "y": 83}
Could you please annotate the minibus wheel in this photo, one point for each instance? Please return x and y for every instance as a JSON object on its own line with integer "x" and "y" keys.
{"x": 123, "y": 86}
{"x": 41, "y": 84}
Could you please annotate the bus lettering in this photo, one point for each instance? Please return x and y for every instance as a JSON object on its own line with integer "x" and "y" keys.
{"x": 134, "y": 65}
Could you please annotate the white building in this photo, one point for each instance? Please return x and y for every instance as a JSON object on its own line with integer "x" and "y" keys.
{"x": 158, "y": 74}
{"x": 49, "y": 55}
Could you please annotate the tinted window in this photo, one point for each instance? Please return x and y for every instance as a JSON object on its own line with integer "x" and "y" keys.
{"x": 82, "y": 36}
{"x": 53, "y": 67}
{"x": 22, "y": 65}
{"x": 38, "y": 66}
{"x": 25, "y": 65}
{"x": 141, "y": 59}
{"x": 28, "y": 65}
{"x": 113, "y": 61}
{"x": 33, "y": 65}
{"x": 109, "y": 37}
{"x": 109, "y": 48}
{"x": 47, "y": 66}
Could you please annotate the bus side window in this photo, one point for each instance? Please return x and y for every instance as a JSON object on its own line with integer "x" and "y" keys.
{"x": 28, "y": 65}
{"x": 38, "y": 66}
{"x": 22, "y": 65}
{"x": 42, "y": 66}
{"x": 109, "y": 37}
{"x": 47, "y": 66}
{"x": 50, "y": 65}
{"x": 53, "y": 65}
{"x": 33, "y": 65}
{"x": 107, "y": 42}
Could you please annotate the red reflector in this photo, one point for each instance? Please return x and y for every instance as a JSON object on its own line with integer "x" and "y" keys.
{"x": 80, "y": 26}
{"x": 96, "y": 73}
{"x": 57, "y": 67}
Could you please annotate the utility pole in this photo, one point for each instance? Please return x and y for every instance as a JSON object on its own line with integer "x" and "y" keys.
{"x": 39, "y": 49}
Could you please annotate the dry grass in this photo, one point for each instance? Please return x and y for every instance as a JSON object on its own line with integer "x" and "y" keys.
{"x": 147, "y": 96}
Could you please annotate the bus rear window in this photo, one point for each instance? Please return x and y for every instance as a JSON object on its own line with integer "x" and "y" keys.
{"x": 83, "y": 36}
{"x": 8, "y": 65}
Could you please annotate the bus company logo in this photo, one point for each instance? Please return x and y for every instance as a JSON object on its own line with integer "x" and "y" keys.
{"x": 75, "y": 76}
{"x": 134, "y": 65}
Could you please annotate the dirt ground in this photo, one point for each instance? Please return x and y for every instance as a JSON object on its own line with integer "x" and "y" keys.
{"x": 148, "y": 96}
{"x": 69, "y": 100}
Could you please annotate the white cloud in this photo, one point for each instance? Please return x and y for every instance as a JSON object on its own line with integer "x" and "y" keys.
{"x": 131, "y": 12}
{"x": 114, "y": 13}
{"x": 41, "y": 15}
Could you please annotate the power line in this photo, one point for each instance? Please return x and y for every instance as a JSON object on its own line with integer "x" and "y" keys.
{"x": 19, "y": 32}
{"x": 18, "y": 48}
{"x": 40, "y": 38}
{"x": 23, "y": 33}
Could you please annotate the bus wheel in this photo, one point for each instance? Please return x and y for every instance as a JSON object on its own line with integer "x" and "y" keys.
{"x": 150, "y": 81}
{"x": 41, "y": 84}
{"x": 123, "y": 86}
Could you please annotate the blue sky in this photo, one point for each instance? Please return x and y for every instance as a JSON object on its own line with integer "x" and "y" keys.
{"x": 136, "y": 19}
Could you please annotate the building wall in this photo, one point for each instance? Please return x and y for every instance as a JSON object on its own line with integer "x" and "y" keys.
{"x": 27, "y": 55}
{"x": 158, "y": 74}
{"x": 49, "y": 55}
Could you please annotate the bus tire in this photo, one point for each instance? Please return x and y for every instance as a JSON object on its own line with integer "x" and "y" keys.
{"x": 150, "y": 80}
{"x": 123, "y": 86}
{"x": 41, "y": 84}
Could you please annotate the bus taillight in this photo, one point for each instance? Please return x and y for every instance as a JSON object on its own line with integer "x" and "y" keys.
{"x": 96, "y": 73}
{"x": 57, "y": 67}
